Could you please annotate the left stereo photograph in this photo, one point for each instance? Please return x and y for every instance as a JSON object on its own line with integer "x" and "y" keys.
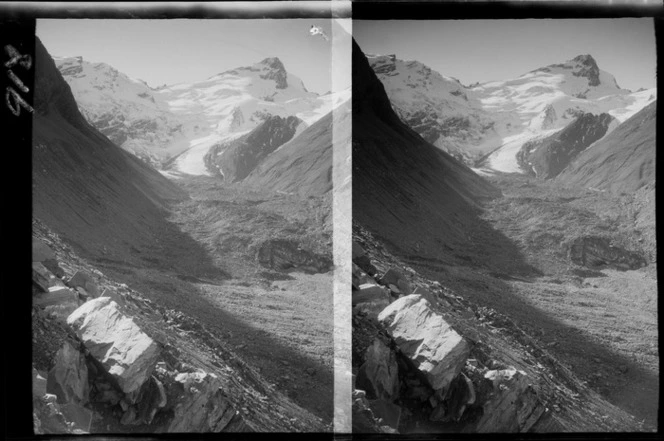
{"x": 188, "y": 176}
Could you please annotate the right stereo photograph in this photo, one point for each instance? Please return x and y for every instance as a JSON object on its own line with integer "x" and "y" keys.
{"x": 504, "y": 274}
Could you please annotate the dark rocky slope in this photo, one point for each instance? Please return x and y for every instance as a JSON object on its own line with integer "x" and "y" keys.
{"x": 503, "y": 379}
{"x": 134, "y": 365}
{"x": 305, "y": 164}
{"x": 405, "y": 189}
{"x": 622, "y": 162}
{"x": 547, "y": 157}
{"x": 96, "y": 195}
{"x": 236, "y": 159}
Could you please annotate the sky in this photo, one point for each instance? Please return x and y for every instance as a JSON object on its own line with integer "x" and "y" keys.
{"x": 187, "y": 50}
{"x": 492, "y": 50}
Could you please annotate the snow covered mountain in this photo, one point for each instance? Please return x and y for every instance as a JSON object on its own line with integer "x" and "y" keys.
{"x": 489, "y": 123}
{"x": 185, "y": 120}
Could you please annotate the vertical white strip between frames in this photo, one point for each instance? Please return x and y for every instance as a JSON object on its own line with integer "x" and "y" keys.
{"x": 341, "y": 31}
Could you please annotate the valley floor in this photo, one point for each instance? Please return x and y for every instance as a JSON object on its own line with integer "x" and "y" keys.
{"x": 279, "y": 322}
{"x": 599, "y": 322}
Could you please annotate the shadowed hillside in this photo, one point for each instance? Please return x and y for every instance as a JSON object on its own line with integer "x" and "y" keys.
{"x": 94, "y": 193}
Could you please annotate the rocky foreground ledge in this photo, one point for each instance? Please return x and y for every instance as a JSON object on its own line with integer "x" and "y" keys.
{"x": 428, "y": 361}
{"x": 107, "y": 360}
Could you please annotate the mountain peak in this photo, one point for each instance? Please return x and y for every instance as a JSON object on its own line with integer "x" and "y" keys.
{"x": 586, "y": 67}
{"x": 276, "y": 72}
{"x": 273, "y": 62}
{"x": 580, "y": 66}
{"x": 586, "y": 59}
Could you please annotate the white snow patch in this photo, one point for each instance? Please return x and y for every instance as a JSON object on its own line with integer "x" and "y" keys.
{"x": 171, "y": 174}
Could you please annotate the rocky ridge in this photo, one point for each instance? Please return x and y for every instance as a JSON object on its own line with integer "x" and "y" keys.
{"x": 548, "y": 157}
{"x": 484, "y": 362}
{"x": 106, "y": 359}
{"x": 626, "y": 157}
{"x": 234, "y": 160}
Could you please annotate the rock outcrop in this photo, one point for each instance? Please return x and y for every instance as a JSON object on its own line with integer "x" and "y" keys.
{"x": 512, "y": 406}
{"x": 288, "y": 255}
{"x": 51, "y": 417}
{"x": 43, "y": 254}
{"x": 235, "y": 159}
{"x": 365, "y": 419}
{"x": 598, "y": 253}
{"x": 379, "y": 375}
{"x": 362, "y": 260}
{"x": 69, "y": 377}
{"x": 394, "y": 277}
{"x": 477, "y": 390}
{"x": 548, "y": 157}
{"x": 107, "y": 373}
{"x": 425, "y": 338}
{"x": 42, "y": 277}
{"x": 59, "y": 302}
{"x": 371, "y": 298}
{"x": 199, "y": 403}
{"x": 371, "y": 292}
{"x": 623, "y": 161}
{"x": 116, "y": 342}
{"x": 85, "y": 281}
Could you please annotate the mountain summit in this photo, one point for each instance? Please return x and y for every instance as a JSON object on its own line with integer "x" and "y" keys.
{"x": 587, "y": 67}
{"x": 583, "y": 66}
{"x": 276, "y": 72}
